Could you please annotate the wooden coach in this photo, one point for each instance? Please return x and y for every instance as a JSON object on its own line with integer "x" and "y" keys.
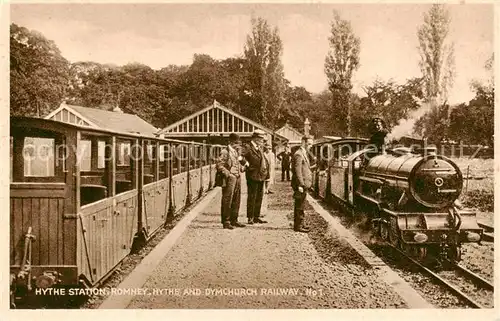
{"x": 81, "y": 198}
{"x": 333, "y": 166}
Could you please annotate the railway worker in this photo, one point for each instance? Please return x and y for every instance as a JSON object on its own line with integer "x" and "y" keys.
{"x": 377, "y": 140}
{"x": 378, "y": 134}
{"x": 301, "y": 182}
{"x": 229, "y": 163}
{"x": 256, "y": 172}
{"x": 285, "y": 157}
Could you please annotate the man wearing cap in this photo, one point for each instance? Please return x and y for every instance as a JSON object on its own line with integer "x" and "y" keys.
{"x": 301, "y": 182}
{"x": 257, "y": 173}
{"x": 229, "y": 163}
{"x": 285, "y": 157}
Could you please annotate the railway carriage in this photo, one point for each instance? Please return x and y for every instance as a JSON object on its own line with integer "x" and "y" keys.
{"x": 81, "y": 198}
{"x": 409, "y": 195}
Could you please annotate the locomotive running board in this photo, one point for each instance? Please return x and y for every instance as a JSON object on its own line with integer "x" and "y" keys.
{"x": 370, "y": 200}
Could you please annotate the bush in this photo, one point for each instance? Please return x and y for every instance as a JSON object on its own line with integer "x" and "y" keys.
{"x": 480, "y": 199}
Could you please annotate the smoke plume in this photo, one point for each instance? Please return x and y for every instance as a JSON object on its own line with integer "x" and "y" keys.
{"x": 405, "y": 126}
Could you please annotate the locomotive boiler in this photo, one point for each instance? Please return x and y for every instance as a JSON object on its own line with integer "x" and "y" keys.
{"x": 410, "y": 196}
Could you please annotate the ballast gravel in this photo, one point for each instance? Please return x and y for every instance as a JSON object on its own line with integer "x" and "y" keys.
{"x": 263, "y": 265}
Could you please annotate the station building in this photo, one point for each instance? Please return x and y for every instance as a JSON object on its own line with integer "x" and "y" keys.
{"x": 214, "y": 123}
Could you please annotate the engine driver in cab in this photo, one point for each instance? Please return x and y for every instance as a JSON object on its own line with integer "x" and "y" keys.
{"x": 378, "y": 132}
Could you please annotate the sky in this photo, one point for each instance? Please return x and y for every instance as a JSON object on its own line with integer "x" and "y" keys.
{"x": 161, "y": 34}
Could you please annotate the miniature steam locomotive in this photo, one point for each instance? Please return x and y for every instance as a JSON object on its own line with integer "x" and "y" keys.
{"x": 409, "y": 196}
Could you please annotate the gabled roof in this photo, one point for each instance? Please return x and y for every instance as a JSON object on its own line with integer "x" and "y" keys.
{"x": 194, "y": 125}
{"x": 283, "y": 131}
{"x": 99, "y": 118}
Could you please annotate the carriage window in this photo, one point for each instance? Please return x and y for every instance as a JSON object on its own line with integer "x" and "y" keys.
{"x": 124, "y": 154}
{"x": 38, "y": 155}
{"x": 101, "y": 145}
{"x": 84, "y": 155}
{"x": 162, "y": 153}
{"x": 150, "y": 152}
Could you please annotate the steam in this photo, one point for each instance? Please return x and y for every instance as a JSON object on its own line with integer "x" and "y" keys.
{"x": 405, "y": 126}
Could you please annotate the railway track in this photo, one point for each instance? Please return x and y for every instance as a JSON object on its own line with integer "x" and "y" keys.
{"x": 488, "y": 234}
{"x": 465, "y": 284}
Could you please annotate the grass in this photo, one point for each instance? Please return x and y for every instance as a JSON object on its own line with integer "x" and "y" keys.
{"x": 478, "y": 189}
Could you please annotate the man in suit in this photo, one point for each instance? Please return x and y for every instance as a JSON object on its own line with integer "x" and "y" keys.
{"x": 268, "y": 152}
{"x": 229, "y": 163}
{"x": 257, "y": 172}
{"x": 301, "y": 182}
{"x": 285, "y": 157}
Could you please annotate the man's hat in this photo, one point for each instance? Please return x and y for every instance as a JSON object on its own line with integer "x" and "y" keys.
{"x": 258, "y": 134}
{"x": 234, "y": 137}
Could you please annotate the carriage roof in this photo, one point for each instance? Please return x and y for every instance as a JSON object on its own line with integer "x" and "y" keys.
{"x": 63, "y": 127}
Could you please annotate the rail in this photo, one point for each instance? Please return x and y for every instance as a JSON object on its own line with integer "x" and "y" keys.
{"x": 488, "y": 234}
{"x": 472, "y": 277}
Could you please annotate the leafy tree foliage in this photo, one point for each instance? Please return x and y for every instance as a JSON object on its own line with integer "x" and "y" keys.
{"x": 266, "y": 85}
{"x": 387, "y": 100}
{"x": 340, "y": 63}
{"x": 478, "y": 115}
{"x": 252, "y": 85}
{"x": 471, "y": 123}
{"x": 437, "y": 58}
{"x": 39, "y": 75}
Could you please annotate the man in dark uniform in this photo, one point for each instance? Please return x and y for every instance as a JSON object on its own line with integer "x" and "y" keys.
{"x": 377, "y": 139}
{"x": 301, "y": 182}
{"x": 229, "y": 163}
{"x": 257, "y": 172}
{"x": 285, "y": 157}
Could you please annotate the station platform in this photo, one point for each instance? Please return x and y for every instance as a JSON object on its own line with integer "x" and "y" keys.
{"x": 200, "y": 265}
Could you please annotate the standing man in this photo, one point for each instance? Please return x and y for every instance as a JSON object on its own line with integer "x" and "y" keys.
{"x": 229, "y": 164}
{"x": 268, "y": 152}
{"x": 257, "y": 173}
{"x": 285, "y": 157}
{"x": 301, "y": 182}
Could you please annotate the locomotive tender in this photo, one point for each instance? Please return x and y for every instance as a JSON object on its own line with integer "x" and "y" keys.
{"x": 81, "y": 199}
{"x": 410, "y": 196}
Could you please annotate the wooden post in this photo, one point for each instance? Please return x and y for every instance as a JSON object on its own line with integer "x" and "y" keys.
{"x": 71, "y": 205}
{"x": 18, "y": 161}
{"x": 156, "y": 164}
{"x": 188, "y": 175}
{"x": 208, "y": 121}
{"x": 77, "y": 174}
{"x": 134, "y": 164}
{"x": 171, "y": 207}
{"x": 94, "y": 153}
{"x": 110, "y": 166}
{"x": 140, "y": 236}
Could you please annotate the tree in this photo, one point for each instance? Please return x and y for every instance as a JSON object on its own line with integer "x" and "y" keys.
{"x": 297, "y": 106}
{"x": 340, "y": 63}
{"x": 263, "y": 50}
{"x": 386, "y": 99}
{"x": 437, "y": 58}
{"x": 478, "y": 114}
{"x": 39, "y": 74}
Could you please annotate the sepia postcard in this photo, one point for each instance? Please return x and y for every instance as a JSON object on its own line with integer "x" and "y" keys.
{"x": 248, "y": 160}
